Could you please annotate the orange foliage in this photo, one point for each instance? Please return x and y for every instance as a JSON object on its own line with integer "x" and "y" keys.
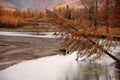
{"x": 8, "y": 18}
{"x": 113, "y": 13}
{"x": 86, "y": 42}
{"x": 17, "y": 18}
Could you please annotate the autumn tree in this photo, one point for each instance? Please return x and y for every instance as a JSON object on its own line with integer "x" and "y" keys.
{"x": 60, "y": 11}
{"x": 67, "y": 12}
{"x": 108, "y": 14}
{"x": 93, "y": 10}
{"x": 73, "y": 13}
{"x": 17, "y": 12}
{"x": 10, "y": 18}
{"x": 80, "y": 40}
{"x": 116, "y": 14}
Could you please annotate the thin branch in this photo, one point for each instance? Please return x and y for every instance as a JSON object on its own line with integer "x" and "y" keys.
{"x": 94, "y": 43}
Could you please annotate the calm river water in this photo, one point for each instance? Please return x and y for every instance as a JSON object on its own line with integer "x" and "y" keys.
{"x": 61, "y": 67}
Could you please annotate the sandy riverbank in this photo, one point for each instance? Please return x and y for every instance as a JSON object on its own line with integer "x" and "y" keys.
{"x": 17, "y": 49}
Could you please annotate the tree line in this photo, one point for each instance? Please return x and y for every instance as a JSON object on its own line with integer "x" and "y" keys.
{"x": 18, "y": 18}
{"x": 81, "y": 34}
{"x": 95, "y": 13}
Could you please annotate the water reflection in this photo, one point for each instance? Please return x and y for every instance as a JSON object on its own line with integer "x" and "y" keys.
{"x": 29, "y": 34}
{"x": 90, "y": 71}
{"x": 117, "y": 71}
{"x": 60, "y": 67}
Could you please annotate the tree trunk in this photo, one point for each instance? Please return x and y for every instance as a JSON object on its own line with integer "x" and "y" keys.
{"x": 107, "y": 3}
{"x": 106, "y": 52}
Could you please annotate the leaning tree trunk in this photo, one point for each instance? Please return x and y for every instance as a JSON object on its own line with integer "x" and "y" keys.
{"x": 94, "y": 43}
{"x": 106, "y": 52}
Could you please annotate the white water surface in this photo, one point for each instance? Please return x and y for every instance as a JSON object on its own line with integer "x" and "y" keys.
{"x": 47, "y": 68}
{"x": 29, "y": 34}
{"x": 61, "y": 67}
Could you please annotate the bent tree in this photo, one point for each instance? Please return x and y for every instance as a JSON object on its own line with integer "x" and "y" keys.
{"x": 86, "y": 41}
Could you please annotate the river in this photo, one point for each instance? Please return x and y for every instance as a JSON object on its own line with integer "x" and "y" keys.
{"x": 29, "y": 34}
{"x": 60, "y": 67}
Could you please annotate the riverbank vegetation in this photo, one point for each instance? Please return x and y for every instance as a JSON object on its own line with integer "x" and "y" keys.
{"x": 82, "y": 34}
{"x": 101, "y": 14}
{"x": 81, "y": 30}
{"x": 88, "y": 24}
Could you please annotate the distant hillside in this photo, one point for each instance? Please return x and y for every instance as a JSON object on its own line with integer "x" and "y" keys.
{"x": 43, "y": 4}
{"x": 4, "y": 4}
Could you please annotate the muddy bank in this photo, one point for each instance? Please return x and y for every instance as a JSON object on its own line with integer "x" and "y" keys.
{"x": 16, "y": 49}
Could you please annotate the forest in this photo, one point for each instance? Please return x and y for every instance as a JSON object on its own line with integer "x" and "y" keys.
{"x": 103, "y": 13}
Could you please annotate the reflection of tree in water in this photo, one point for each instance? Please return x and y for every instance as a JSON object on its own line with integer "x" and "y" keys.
{"x": 117, "y": 70}
{"x": 117, "y": 74}
{"x": 90, "y": 71}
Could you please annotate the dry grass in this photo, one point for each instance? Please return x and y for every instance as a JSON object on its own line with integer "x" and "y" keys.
{"x": 112, "y": 31}
{"x": 115, "y": 32}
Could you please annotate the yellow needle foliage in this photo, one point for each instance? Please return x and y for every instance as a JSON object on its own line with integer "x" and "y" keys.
{"x": 80, "y": 39}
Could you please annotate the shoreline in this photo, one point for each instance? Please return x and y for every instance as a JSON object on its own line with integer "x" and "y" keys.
{"x": 14, "y": 49}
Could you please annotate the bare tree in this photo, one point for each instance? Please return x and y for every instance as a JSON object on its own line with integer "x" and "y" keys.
{"x": 92, "y": 7}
